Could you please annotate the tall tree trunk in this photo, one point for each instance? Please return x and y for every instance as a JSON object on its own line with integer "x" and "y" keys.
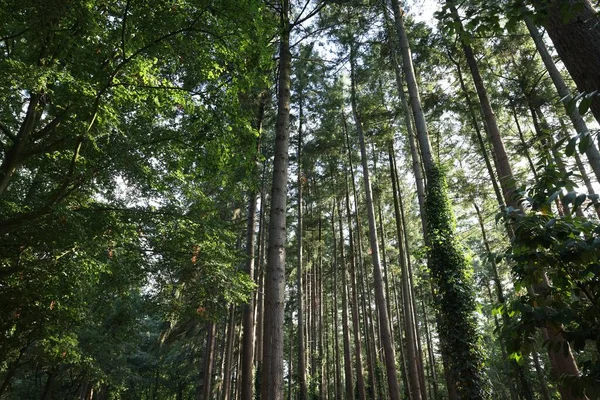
{"x": 505, "y": 174}
{"x": 576, "y": 38}
{"x": 260, "y": 299}
{"x": 272, "y": 375}
{"x": 227, "y": 369}
{"x": 360, "y": 380}
{"x": 336, "y": 344}
{"x": 209, "y": 356}
{"x": 416, "y": 392}
{"x": 358, "y": 267}
{"x": 248, "y": 323}
{"x": 349, "y": 381}
{"x": 388, "y": 347}
{"x": 432, "y": 363}
{"x": 301, "y": 352}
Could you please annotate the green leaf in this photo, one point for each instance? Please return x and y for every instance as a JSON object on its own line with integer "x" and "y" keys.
{"x": 569, "y": 198}
{"x": 585, "y": 142}
{"x": 570, "y": 149}
{"x": 585, "y": 104}
{"x": 579, "y": 201}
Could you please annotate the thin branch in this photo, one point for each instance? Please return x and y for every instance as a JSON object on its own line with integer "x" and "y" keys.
{"x": 314, "y": 12}
{"x": 14, "y": 35}
{"x": 7, "y": 132}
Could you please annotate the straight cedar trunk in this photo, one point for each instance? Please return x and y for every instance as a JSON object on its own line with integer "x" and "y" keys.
{"x": 336, "y": 344}
{"x": 360, "y": 380}
{"x": 301, "y": 352}
{"x": 505, "y": 174}
{"x": 272, "y": 374}
{"x": 209, "y": 361}
{"x": 322, "y": 333}
{"x": 356, "y": 243}
{"x": 248, "y": 323}
{"x": 432, "y": 363}
{"x": 400, "y": 341}
{"x": 458, "y": 330}
{"x": 260, "y": 299}
{"x": 384, "y": 327}
{"x": 227, "y": 369}
{"x": 348, "y": 380}
{"x": 478, "y": 135}
{"x": 574, "y": 27}
{"x": 576, "y": 119}
{"x": 416, "y": 392}
{"x": 416, "y": 158}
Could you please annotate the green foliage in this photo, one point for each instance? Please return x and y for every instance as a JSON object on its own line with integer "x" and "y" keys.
{"x": 118, "y": 191}
{"x": 454, "y": 291}
{"x": 565, "y": 250}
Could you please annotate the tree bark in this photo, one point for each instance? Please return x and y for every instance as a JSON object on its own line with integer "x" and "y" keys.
{"x": 411, "y": 347}
{"x": 360, "y": 380}
{"x": 349, "y": 381}
{"x": 301, "y": 351}
{"x": 577, "y": 120}
{"x": 576, "y": 38}
{"x": 272, "y": 375}
{"x": 248, "y": 323}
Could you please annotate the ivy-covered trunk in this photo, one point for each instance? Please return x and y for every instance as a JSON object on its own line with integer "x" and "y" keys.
{"x": 448, "y": 266}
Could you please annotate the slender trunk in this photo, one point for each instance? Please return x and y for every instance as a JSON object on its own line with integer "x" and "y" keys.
{"x": 338, "y": 369}
{"x": 356, "y": 270}
{"x": 411, "y": 347}
{"x": 48, "y": 386}
{"x": 322, "y": 346}
{"x": 272, "y": 374}
{"x": 360, "y": 380}
{"x": 388, "y": 347}
{"x": 524, "y": 144}
{"x": 345, "y": 330}
{"x": 299, "y": 272}
{"x": 11, "y": 370}
{"x": 516, "y": 371}
{"x": 260, "y": 303}
{"x": 227, "y": 369}
{"x": 248, "y": 323}
{"x": 503, "y": 167}
{"x": 432, "y": 363}
{"x": 209, "y": 361}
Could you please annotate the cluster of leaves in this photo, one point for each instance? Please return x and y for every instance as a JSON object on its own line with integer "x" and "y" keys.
{"x": 125, "y": 148}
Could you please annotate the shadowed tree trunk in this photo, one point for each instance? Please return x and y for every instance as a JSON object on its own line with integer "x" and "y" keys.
{"x": 272, "y": 374}
{"x": 574, "y": 27}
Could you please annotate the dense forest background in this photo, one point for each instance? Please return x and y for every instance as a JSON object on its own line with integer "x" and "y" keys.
{"x": 299, "y": 199}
